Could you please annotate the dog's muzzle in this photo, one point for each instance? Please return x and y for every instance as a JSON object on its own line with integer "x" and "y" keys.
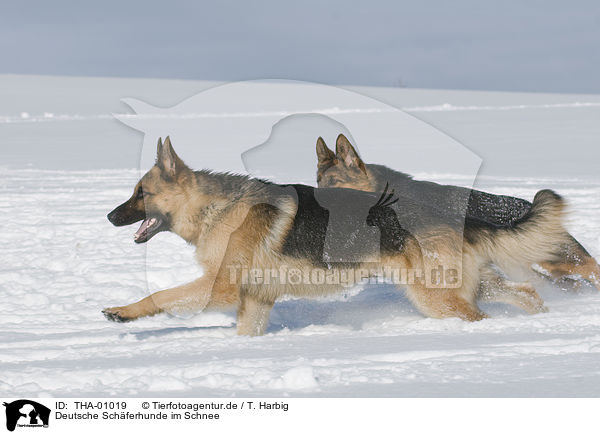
{"x": 125, "y": 214}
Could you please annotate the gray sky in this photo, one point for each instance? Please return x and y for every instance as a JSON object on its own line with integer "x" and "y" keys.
{"x": 541, "y": 46}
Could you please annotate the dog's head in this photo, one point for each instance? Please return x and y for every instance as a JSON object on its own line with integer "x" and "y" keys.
{"x": 158, "y": 197}
{"x": 344, "y": 169}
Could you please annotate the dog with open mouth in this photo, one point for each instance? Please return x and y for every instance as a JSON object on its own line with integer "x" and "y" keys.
{"x": 240, "y": 223}
{"x": 133, "y": 211}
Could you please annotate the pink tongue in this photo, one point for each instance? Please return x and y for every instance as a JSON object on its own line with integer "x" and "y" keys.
{"x": 142, "y": 228}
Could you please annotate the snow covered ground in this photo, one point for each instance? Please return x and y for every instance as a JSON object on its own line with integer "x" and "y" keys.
{"x": 62, "y": 262}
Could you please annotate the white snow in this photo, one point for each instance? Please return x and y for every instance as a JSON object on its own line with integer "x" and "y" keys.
{"x": 63, "y": 262}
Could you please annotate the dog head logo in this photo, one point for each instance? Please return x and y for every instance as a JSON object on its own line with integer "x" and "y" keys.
{"x": 26, "y": 413}
{"x": 273, "y": 125}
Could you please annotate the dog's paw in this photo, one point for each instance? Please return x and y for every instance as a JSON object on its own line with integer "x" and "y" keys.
{"x": 117, "y": 314}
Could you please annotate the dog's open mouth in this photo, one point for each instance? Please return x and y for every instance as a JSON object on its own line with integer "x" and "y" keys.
{"x": 150, "y": 227}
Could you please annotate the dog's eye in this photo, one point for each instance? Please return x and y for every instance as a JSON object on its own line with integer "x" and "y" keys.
{"x": 142, "y": 194}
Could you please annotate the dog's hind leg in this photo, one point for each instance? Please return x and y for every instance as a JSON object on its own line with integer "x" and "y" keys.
{"x": 573, "y": 261}
{"x": 586, "y": 268}
{"x": 253, "y": 316}
{"x": 442, "y": 299}
{"x": 444, "y": 303}
{"x": 496, "y": 289}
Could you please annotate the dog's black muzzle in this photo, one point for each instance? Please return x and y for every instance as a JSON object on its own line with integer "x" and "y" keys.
{"x": 125, "y": 214}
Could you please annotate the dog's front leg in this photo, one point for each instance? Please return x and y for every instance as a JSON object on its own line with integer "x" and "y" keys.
{"x": 253, "y": 316}
{"x": 202, "y": 293}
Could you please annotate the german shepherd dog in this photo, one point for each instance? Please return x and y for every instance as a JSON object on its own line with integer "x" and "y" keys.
{"x": 239, "y": 223}
{"x": 561, "y": 260}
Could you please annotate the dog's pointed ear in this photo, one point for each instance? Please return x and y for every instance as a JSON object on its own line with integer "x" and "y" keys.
{"x": 159, "y": 148}
{"x": 167, "y": 160}
{"x": 325, "y": 155}
{"x": 347, "y": 154}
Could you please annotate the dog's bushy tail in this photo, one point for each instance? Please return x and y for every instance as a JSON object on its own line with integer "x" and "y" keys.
{"x": 548, "y": 207}
{"x": 536, "y": 237}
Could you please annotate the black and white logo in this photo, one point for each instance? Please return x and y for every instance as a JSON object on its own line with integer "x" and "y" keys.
{"x": 27, "y": 414}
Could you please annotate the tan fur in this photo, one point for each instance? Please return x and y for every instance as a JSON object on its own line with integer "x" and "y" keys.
{"x": 535, "y": 243}
{"x": 442, "y": 302}
{"x": 334, "y": 171}
{"x": 494, "y": 288}
{"x": 587, "y": 268}
{"x": 515, "y": 255}
{"x": 253, "y": 316}
{"x": 246, "y": 228}
{"x": 341, "y": 172}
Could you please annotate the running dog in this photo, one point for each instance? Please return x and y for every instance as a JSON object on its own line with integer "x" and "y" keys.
{"x": 563, "y": 260}
{"x": 239, "y": 223}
